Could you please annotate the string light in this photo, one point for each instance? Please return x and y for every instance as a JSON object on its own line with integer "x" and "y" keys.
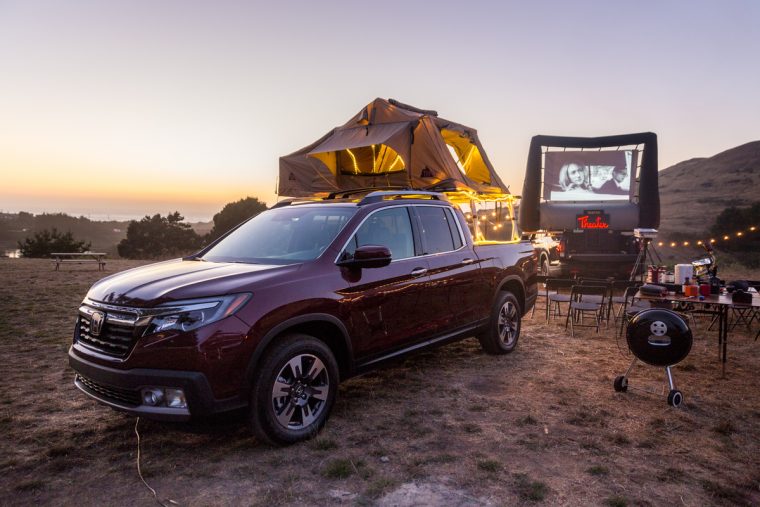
{"x": 711, "y": 241}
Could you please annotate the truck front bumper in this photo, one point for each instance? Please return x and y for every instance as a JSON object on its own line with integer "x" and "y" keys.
{"x": 121, "y": 389}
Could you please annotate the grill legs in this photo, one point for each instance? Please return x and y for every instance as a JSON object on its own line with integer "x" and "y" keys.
{"x": 675, "y": 397}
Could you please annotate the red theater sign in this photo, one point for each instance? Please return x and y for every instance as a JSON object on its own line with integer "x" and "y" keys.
{"x": 593, "y": 220}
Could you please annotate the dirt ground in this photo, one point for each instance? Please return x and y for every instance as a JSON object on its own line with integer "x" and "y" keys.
{"x": 449, "y": 427}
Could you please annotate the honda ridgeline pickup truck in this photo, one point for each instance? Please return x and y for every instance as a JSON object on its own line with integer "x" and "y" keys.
{"x": 274, "y": 314}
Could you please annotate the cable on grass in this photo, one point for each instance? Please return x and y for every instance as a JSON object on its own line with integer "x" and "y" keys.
{"x": 139, "y": 472}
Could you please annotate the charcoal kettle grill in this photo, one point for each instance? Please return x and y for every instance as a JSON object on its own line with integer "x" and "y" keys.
{"x": 657, "y": 337}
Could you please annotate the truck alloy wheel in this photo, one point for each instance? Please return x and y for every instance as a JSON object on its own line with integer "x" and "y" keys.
{"x": 504, "y": 327}
{"x": 294, "y": 390}
{"x": 300, "y": 391}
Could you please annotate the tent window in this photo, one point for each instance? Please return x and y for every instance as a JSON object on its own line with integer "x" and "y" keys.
{"x": 370, "y": 160}
{"x": 467, "y": 156}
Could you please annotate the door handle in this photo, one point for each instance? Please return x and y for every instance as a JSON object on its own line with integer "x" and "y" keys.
{"x": 468, "y": 261}
{"x": 419, "y": 271}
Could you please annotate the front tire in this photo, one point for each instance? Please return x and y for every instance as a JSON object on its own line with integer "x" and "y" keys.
{"x": 293, "y": 390}
{"x": 504, "y": 326}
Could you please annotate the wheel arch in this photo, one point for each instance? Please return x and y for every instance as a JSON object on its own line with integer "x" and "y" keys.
{"x": 515, "y": 285}
{"x": 324, "y": 327}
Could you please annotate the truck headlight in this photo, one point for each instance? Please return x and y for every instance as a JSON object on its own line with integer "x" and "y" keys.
{"x": 193, "y": 313}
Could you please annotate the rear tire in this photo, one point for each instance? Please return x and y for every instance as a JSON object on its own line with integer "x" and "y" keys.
{"x": 543, "y": 268}
{"x": 504, "y": 326}
{"x": 293, "y": 390}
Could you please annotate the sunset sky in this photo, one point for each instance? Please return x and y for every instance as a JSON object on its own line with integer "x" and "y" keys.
{"x": 129, "y": 108}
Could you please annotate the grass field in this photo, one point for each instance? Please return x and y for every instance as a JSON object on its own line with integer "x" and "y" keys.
{"x": 449, "y": 427}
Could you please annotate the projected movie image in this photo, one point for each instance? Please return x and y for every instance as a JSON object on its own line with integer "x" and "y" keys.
{"x": 589, "y": 176}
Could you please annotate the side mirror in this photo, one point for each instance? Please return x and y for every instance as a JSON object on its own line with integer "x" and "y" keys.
{"x": 368, "y": 256}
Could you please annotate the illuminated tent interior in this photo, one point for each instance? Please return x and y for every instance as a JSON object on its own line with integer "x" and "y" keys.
{"x": 391, "y": 145}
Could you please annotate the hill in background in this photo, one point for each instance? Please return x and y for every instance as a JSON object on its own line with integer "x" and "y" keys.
{"x": 694, "y": 192}
{"x": 104, "y": 236}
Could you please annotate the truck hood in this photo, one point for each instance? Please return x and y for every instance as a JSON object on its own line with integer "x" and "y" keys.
{"x": 173, "y": 280}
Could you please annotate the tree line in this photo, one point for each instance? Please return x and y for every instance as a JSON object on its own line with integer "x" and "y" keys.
{"x": 151, "y": 237}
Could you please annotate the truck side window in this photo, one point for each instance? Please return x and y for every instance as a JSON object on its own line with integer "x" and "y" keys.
{"x": 390, "y": 228}
{"x": 436, "y": 230}
{"x": 455, "y": 234}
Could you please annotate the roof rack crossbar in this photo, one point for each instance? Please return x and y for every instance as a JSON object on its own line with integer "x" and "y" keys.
{"x": 346, "y": 193}
{"x": 400, "y": 194}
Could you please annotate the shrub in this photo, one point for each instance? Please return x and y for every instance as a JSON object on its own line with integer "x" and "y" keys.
{"x": 43, "y": 243}
{"x": 158, "y": 236}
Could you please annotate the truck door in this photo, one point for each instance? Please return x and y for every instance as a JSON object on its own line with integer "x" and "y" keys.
{"x": 386, "y": 305}
{"x": 455, "y": 295}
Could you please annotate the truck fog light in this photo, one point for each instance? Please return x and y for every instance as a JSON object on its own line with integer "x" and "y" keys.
{"x": 152, "y": 396}
{"x": 175, "y": 398}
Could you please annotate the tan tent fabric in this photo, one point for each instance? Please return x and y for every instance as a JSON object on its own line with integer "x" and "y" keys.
{"x": 389, "y": 144}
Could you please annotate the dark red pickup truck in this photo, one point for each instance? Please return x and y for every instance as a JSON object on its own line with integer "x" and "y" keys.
{"x": 275, "y": 313}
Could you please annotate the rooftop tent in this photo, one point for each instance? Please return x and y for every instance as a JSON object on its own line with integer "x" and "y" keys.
{"x": 389, "y": 144}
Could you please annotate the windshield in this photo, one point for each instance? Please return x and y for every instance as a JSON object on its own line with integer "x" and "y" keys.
{"x": 282, "y": 236}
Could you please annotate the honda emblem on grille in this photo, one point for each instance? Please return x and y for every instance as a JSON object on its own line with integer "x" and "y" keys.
{"x": 96, "y": 323}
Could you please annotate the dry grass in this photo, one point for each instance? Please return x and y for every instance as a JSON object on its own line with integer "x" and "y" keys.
{"x": 453, "y": 426}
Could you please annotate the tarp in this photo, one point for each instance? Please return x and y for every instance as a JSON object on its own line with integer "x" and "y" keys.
{"x": 390, "y": 144}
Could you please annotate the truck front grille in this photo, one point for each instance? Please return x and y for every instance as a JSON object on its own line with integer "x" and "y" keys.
{"x": 118, "y": 395}
{"x": 114, "y": 339}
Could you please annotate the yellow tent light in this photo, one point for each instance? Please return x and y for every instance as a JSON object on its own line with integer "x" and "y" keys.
{"x": 685, "y": 243}
{"x": 493, "y": 213}
{"x": 673, "y": 243}
{"x": 739, "y": 233}
{"x": 353, "y": 158}
{"x": 699, "y": 242}
{"x": 752, "y": 228}
{"x": 712, "y": 240}
{"x": 660, "y": 243}
{"x": 398, "y": 158}
{"x": 725, "y": 237}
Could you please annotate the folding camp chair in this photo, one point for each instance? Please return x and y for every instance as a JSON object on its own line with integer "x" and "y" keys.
{"x": 598, "y": 282}
{"x": 543, "y": 293}
{"x": 631, "y": 306}
{"x": 555, "y": 295}
{"x": 586, "y": 299}
{"x": 620, "y": 285}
